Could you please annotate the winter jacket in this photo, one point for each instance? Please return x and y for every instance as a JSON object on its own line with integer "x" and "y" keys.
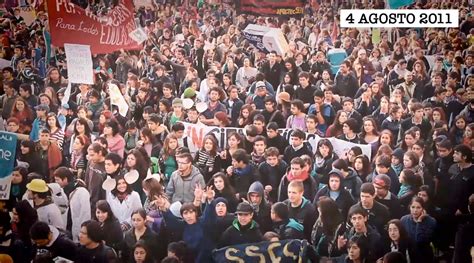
{"x": 237, "y": 234}
{"x": 241, "y": 179}
{"x": 271, "y": 175}
{"x": 393, "y": 204}
{"x": 279, "y": 142}
{"x": 123, "y": 210}
{"x": 378, "y": 215}
{"x": 149, "y": 238}
{"x": 352, "y": 184}
{"x": 304, "y": 214}
{"x": 290, "y": 153}
{"x": 196, "y": 235}
{"x": 322, "y": 167}
{"x": 112, "y": 233}
{"x": 49, "y": 212}
{"x": 289, "y": 229}
{"x": 100, "y": 254}
{"x": 422, "y": 234}
{"x": 60, "y": 245}
{"x": 262, "y": 210}
{"x": 373, "y": 240}
{"x": 181, "y": 188}
{"x": 79, "y": 207}
{"x": 310, "y": 188}
{"x": 93, "y": 177}
{"x": 344, "y": 201}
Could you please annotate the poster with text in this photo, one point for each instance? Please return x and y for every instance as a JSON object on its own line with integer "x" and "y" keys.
{"x": 7, "y": 161}
{"x": 79, "y": 63}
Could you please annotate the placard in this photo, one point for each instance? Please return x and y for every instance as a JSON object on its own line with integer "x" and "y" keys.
{"x": 79, "y": 63}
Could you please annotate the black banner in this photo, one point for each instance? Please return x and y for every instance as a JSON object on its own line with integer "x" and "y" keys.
{"x": 284, "y": 251}
{"x": 291, "y": 8}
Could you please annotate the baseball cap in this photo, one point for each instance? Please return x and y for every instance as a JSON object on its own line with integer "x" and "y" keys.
{"x": 42, "y": 107}
{"x": 244, "y": 208}
{"x": 382, "y": 180}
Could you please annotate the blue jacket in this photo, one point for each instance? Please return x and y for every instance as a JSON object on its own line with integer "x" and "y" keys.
{"x": 195, "y": 235}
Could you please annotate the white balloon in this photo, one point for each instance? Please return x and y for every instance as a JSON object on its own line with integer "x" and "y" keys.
{"x": 109, "y": 184}
{"x": 188, "y": 103}
{"x": 201, "y": 107}
{"x": 131, "y": 177}
{"x": 175, "y": 209}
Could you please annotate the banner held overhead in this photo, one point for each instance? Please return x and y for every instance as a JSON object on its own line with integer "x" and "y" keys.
{"x": 70, "y": 23}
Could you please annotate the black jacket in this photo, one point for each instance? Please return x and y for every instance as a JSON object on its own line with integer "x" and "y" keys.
{"x": 100, "y": 254}
{"x": 310, "y": 188}
{"x": 262, "y": 211}
{"x": 237, "y": 234}
{"x": 290, "y": 153}
{"x": 304, "y": 214}
{"x": 394, "y": 206}
{"x": 279, "y": 142}
{"x": 378, "y": 215}
{"x": 344, "y": 201}
{"x": 272, "y": 176}
{"x": 289, "y": 229}
{"x": 149, "y": 238}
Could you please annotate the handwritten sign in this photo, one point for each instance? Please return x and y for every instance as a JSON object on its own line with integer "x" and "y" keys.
{"x": 116, "y": 98}
{"x": 79, "y": 63}
{"x": 7, "y": 161}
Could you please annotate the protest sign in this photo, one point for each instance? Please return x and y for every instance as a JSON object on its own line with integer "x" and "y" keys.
{"x": 69, "y": 23}
{"x": 287, "y": 8}
{"x": 116, "y": 98}
{"x": 138, "y": 35}
{"x": 266, "y": 39}
{"x": 7, "y": 161}
{"x": 284, "y": 251}
{"x": 144, "y": 3}
{"x": 195, "y": 134}
{"x": 79, "y": 63}
{"x": 28, "y": 14}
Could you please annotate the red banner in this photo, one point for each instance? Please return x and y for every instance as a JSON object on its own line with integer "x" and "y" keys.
{"x": 70, "y": 23}
{"x": 293, "y": 8}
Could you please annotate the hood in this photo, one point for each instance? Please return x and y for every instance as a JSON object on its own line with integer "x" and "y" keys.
{"x": 305, "y": 202}
{"x": 352, "y": 174}
{"x": 256, "y": 187}
{"x": 338, "y": 172}
{"x": 295, "y": 225}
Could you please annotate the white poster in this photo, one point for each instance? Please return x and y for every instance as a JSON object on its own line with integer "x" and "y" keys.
{"x": 116, "y": 98}
{"x": 79, "y": 63}
{"x": 138, "y": 35}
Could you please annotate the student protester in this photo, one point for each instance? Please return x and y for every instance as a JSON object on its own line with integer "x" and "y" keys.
{"x": 48, "y": 211}
{"x": 256, "y": 198}
{"x": 285, "y": 227}
{"x": 92, "y": 249}
{"x": 243, "y": 230}
{"x": 297, "y": 147}
{"x": 271, "y": 171}
{"x": 47, "y": 237}
{"x": 336, "y": 192}
{"x": 297, "y": 173}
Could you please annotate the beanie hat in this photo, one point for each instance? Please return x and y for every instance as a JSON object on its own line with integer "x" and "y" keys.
{"x": 398, "y": 153}
{"x": 382, "y": 180}
{"x": 189, "y": 93}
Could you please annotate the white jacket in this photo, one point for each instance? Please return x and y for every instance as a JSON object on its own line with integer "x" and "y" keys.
{"x": 123, "y": 210}
{"x": 50, "y": 214}
{"x": 79, "y": 204}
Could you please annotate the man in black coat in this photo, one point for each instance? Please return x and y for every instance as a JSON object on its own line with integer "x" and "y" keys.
{"x": 46, "y": 237}
{"x": 243, "y": 229}
{"x": 378, "y": 213}
{"x": 256, "y": 198}
{"x": 297, "y": 148}
{"x": 272, "y": 70}
{"x": 382, "y": 185}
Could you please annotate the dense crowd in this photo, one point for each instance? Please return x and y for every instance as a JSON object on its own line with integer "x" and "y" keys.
{"x": 92, "y": 185}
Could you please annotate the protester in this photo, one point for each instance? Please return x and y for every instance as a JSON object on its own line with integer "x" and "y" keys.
{"x": 199, "y": 101}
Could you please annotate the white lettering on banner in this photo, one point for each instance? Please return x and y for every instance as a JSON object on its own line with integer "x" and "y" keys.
{"x": 196, "y": 133}
{"x": 79, "y": 63}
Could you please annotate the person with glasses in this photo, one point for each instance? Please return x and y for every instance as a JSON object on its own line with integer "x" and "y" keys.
{"x": 182, "y": 182}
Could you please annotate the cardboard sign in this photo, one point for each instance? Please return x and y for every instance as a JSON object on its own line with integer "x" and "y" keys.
{"x": 79, "y": 63}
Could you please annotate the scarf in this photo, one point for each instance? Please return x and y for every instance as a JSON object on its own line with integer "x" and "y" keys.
{"x": 246, "y": 170}
{"x": 257, "y": 158}
{"x": 404, "y": 189}
{"x": 302, "y": 177}
{"x": 397, "y": 168}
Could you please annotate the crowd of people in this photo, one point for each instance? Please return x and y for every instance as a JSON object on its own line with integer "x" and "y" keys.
{"x": 93, "y": 185}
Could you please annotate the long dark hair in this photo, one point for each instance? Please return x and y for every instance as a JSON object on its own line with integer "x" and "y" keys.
{"x": 401, "y": 230}
{"x": 228, "y": 189}
{"x": 104, "y": 206}
{"x": 87, "y": 129}
{"x": 28, "y": 216}
{"x": 129, "y": 189}
{"x": 330, "y": 215}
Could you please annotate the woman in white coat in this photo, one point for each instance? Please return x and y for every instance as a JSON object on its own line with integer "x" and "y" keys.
{"x": 79, "y": 208}
{"x": 123, "y": 200}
